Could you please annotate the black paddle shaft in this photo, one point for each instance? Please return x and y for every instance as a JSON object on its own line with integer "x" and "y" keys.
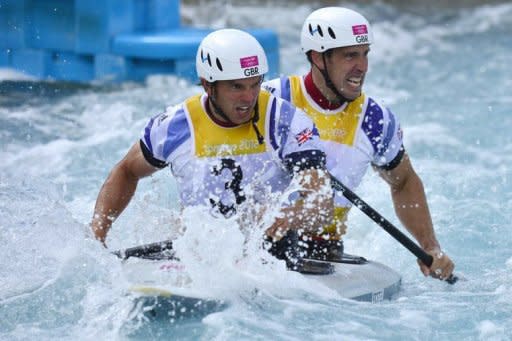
{"x": 386, "y": 225}
{"x": 144, "y": 250}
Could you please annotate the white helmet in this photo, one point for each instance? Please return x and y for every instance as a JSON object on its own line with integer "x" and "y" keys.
{"x": 332, "y": 27}
{"x": 230, "y": 54}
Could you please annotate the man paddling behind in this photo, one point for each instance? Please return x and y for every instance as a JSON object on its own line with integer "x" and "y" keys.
{"x": 355, "y": 130}
{"x": 227, "y": 147}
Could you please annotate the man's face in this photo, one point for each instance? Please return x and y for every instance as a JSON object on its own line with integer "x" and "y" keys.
{"x": 347, "y": 67}
{"x": 236, "y": 98}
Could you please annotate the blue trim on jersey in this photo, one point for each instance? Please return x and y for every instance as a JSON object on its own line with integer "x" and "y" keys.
{"x": 285, "y": 89}
{"x": 272, "y": 125}
{"x": 177, "y": 132}
{"x": 315, "y": 131}
{"x": 373, "y": 125}
{"x": 285, "y": 119}
{"x": 147, "y": 134}
{"x": 389, "y": 133}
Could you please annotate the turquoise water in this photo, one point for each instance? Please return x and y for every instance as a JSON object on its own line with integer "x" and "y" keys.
{"x": 446, "y": 75}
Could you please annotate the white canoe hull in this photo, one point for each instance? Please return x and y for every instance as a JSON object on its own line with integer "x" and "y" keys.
{"x": 164, "y": 286}
{"x": 368, "y": 281}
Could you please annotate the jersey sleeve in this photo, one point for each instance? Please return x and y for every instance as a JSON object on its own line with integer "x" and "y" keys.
{"x": 383, "y": 130}
{"x": 163, "y": 134}
{"x": 295, "y": 137}
{"x": 279, "y": 87}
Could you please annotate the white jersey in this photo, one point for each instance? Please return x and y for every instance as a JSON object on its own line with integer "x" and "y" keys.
{"x": 219, "y": 166}
{"x": 354, "y": 136}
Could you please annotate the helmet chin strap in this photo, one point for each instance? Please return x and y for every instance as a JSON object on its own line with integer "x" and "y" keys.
{"x": 328, "y": 81}
{"x": 254, "y": 120}
{"x": 217, "y": 108}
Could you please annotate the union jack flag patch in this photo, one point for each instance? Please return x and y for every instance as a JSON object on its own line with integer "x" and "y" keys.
{"x": 304, "y": 136}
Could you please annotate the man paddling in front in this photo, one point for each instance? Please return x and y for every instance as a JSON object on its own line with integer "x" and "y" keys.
{"x": 227, "y": 147}
{"x": 355, "y": 130}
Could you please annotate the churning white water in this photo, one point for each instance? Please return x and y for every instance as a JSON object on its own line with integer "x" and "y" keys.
{"x": 446, "y": 75}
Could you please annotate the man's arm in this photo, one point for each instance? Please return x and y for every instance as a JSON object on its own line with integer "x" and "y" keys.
{"x": 118, "y": 189}
{"x": 411, "y": 207}
{"x": 314, "y": 209}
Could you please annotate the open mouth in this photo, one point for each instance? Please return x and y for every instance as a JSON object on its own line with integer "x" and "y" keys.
{"x": 243, "y": 112}
{"x": 355, "y": 81}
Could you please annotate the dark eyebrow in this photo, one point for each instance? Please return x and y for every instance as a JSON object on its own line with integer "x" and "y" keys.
{"x": 235, "y": 82}
{"x": 258, "y": 82}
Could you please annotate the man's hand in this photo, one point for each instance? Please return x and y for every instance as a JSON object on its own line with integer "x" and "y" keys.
{"x": 442, "y": 266}
{"x": 278, "y": 229}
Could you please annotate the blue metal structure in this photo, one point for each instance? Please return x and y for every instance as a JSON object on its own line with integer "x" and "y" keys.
{"x": 112, "y": 40}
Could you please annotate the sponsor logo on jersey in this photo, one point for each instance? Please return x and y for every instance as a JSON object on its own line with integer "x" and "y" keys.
{"x": 161, "y": 117}
{"x": 242, "y": 147}
{"x": 269, "y": 88}
{"x": 333, "y": 133}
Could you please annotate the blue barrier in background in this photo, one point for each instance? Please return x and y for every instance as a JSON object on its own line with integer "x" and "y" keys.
{"x": 113, "y": 40}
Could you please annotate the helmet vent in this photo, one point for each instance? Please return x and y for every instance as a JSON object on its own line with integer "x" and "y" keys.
{"x": 207, "y": 58}
{"x": 331, "y": 33}
{"x": 319, "y": 29}
{"x": 219, "y": 65}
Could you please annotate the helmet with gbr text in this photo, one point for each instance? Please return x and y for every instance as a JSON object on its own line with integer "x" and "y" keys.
{"x": 332, "y": 27}
{"x": 228, "y": 54}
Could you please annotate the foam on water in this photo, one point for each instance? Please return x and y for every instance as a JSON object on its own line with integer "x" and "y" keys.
{"x": 446, "y": 76}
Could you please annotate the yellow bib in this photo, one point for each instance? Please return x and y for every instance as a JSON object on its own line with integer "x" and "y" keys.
{"x": 212, "y": 140}
{"x": 340, "y": 127}
{"x": 336, "y": 126}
